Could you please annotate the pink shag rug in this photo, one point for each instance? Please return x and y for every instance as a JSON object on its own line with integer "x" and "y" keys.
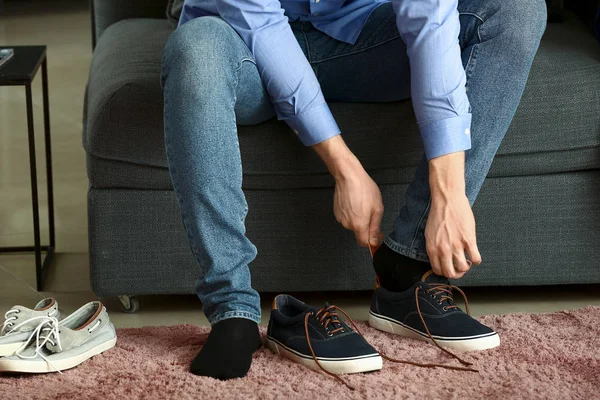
{"x": 542, "y": 356}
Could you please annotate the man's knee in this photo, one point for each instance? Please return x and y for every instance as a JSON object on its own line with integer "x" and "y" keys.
{"x": 524, "y": 22}
{"x": 202, "y": 46}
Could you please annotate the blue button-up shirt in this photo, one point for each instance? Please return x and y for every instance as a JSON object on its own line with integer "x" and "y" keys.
{"x": 430, "y": 29}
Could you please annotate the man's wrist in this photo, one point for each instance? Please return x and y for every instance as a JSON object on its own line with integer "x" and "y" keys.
{"x": 338, "y": 158}
{"x": 447, "y": 175}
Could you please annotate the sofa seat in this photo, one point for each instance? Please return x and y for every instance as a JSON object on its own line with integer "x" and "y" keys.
{"x": 124, "y": 132}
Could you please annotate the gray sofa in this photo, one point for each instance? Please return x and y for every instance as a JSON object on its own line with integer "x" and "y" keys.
{"x": 538, "y": 213}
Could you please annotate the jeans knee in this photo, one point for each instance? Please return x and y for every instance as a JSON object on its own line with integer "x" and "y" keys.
{"x": 203, "y": 48}
{"x": 537, "y": 15}
{"x": 525, "y": 22}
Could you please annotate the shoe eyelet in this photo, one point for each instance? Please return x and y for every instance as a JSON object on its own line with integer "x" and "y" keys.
{"x": 439, "y": 302}
{"x": 432, "y": 296}
{"x": 329, "y": 334}
{"x": 445, "y": 308}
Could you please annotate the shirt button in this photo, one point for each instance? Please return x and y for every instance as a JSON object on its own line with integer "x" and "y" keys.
{"x": 467, "y": 131}
{"x": 316, "y": 1}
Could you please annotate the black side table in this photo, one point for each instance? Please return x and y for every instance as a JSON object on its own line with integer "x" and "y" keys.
{"x": 20, "y": 70}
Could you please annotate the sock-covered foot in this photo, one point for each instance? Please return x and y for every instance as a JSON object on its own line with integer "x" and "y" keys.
{"x": 395, "y": 271}
{"x": 227, "y": 353}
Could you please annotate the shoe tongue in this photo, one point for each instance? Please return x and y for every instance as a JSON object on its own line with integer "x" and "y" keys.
{"x": 327, "y": 305}
{"x": 430, "y": 277}
{"x": 334, "y": 319}
{"x": 35, "y": 345}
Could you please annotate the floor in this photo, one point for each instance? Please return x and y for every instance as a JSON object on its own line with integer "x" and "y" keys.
{"x": 64, "y": 26}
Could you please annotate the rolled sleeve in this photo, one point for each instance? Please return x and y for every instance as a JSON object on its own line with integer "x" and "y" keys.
{"x": 446, "y": 136}
{"x": 430, "y": 29}
{"x": 286, "y": 73}
{"x": 314, "y": 125}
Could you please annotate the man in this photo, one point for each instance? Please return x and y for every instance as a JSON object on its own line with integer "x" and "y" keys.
{"x": 244, "y": 61}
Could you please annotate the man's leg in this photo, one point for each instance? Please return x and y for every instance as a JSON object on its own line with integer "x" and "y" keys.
{"x": 499, "y": 40}
{"x": 210, "y": 80}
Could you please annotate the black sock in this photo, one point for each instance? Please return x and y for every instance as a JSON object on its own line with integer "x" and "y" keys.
{"x": 396, "y": 272}
{"x": 227, "y": 353}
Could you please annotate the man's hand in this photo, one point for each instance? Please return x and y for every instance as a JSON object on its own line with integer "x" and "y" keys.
{"x": 357, "y": 203}
{"x": 357, "y": 206}
{"x": 450, "y": 230}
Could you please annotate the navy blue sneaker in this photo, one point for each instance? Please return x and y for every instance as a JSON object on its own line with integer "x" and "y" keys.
{"x": 427, "y": 312}
{"x": 318, "y": 338}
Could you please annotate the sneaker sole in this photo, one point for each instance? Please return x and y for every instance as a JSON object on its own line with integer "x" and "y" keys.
{"x": 468, "y": 343}
{"x": 353, "y": 365}
{"x": 8, "y": 350}
{"x": 42, "y": 367}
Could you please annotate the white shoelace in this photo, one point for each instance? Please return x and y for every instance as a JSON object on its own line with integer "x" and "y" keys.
{"x": 46, "y": 332}
{"x": 8, "y": 317}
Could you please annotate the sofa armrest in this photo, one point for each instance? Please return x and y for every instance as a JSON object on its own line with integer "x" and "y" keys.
{"x": 106, "y": 12}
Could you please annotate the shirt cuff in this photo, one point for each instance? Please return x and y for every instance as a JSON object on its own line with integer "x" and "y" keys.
{"x": 446, "y": 136}
{"x": 315, "y": 125}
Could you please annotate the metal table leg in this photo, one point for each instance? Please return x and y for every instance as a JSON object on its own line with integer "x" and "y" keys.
{"x": 41, "y": 265}
{"x": 34, "y": 188}
{"x": 41, "y": 276}
{"x": 48, "y": 154}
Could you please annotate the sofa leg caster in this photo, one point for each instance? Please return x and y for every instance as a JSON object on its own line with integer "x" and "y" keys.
{"x": 129, "y": 304}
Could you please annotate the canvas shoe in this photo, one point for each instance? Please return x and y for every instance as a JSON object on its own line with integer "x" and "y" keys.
{"x": 55, "y": 346}
{"x": 318, "y": 339}
{"x": 20, "y": 321}
{"x": 427, "y": 312}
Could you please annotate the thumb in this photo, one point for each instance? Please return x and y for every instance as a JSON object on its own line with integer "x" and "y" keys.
{"x": 375, "y": 235}
{"x": 474, "y": 255}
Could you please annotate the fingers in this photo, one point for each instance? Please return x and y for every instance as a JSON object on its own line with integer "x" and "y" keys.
{"x": 451, "y": 264}
{"x": 362, "y": 234}
{"x": 436, "y": 265}
{"x": 461, "y": 265}
{"x": 447, "y": 266}
{"x": 375, "y": 226}
{"x": 369, "y": 232}
{"x": 473, "y": 252}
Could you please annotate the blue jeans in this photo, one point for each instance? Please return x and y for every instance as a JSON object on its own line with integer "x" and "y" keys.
{"x": 211, "y": 84}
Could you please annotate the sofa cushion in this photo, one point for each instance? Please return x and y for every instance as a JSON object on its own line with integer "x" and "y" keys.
{"x": 108, "y": 12}
{"x": 556, "y": 128}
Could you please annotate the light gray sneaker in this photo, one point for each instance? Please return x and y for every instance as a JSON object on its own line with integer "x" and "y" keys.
{"x": 56, "y": 346}
{"x": 20, "y": 321}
